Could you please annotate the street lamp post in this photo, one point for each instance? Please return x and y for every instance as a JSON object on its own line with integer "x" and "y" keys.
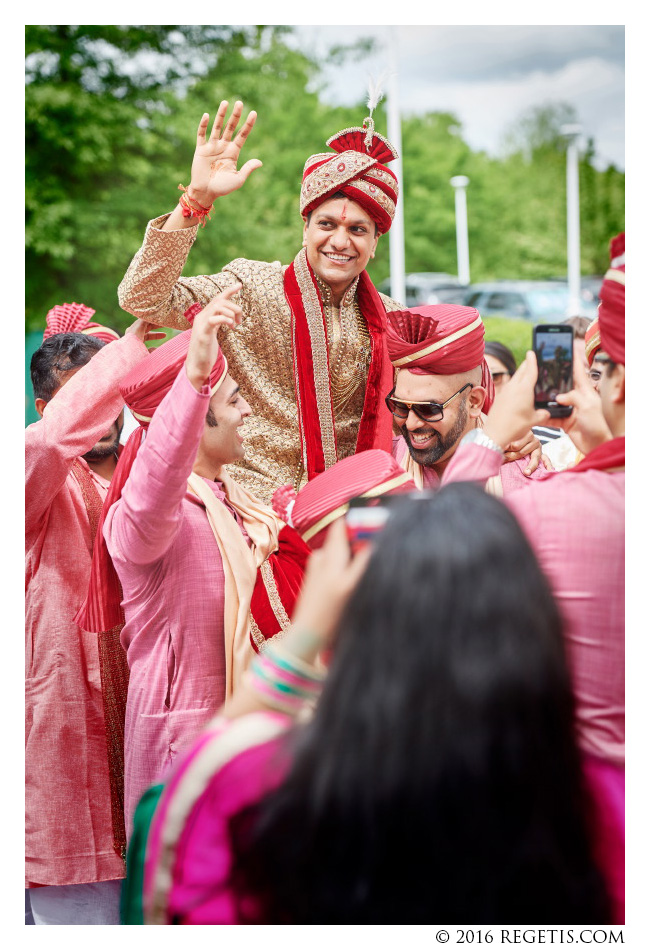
{"x": 572, "y": 133}
{"x": 396, "y": 233}
{"x": 460, "y": 183}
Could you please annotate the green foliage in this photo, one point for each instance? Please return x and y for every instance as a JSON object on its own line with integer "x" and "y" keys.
{"x": 112, "y": 113}
{"x": 517, "y": 335}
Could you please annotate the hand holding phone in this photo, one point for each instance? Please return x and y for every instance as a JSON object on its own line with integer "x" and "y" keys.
{"x": 553, "y": 346}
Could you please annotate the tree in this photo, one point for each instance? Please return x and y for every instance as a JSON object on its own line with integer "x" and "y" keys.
{"x": 93, "y": 94}
{"x": 537, "y": 129}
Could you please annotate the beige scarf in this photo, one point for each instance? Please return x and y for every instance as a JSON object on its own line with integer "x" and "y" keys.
{"x": 240, "y": 562}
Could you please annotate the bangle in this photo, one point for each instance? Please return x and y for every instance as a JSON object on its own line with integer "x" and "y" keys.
{"x": 300, "y": 640}
{"x": 283, "y": 681}
{"x": 479, "y": 437}
{"x": 189, "y": 211}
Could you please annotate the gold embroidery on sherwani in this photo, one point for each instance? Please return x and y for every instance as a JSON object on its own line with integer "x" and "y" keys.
{"x": 350, "y": 353}
{"x": 259, "y": 351}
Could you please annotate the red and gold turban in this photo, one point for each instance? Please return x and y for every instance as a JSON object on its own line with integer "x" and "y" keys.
{"x": 592, "y": 340}
{"x": 611, "y": 312}
{"x": 326, "y": 497}
{"x": 356, "y": 169}
{"x": 75, "y": 318}
{"x": 145, "y": 387}
{"x": 439, "y": 340}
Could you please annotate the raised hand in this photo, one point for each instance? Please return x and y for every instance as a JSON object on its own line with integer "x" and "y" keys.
{"x": 214, "y": 167}
{"x": 204, "y": 346}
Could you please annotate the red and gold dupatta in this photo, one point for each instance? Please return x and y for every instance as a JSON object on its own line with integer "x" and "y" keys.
{"x": 312, "y": 370}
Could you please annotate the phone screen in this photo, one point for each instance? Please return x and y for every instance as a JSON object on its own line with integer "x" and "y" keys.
{"x": 364, "y": 518}
{"x": 553, "y": 346}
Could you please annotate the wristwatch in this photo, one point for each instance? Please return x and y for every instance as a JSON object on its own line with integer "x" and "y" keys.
{"x": 479, "y": 437}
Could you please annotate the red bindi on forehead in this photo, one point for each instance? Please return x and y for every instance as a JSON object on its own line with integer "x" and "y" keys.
{"x": 344, "y": 210}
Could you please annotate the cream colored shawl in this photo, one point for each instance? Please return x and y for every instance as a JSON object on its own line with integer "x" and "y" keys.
{"x": 240, "y": 562}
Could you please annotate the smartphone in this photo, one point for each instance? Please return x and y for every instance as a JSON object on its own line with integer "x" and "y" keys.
{"x": 365, "y": 518}
{"x": 553, "y": 345}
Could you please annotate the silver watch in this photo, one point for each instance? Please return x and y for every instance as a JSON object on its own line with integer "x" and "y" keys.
{"x": 479, "y": 437}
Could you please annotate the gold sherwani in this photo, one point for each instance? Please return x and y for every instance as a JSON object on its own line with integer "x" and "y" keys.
{"x": 259, "y": 351}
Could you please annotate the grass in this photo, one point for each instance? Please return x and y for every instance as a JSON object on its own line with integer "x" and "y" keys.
{"x": 517, "y": 335}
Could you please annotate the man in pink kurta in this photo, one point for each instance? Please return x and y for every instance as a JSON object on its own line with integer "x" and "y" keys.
{"x": 574, "y": 519}
{"x": 67, "y": 794}
{"x": 172, "y": 578}
{"x": 166, "y": 546}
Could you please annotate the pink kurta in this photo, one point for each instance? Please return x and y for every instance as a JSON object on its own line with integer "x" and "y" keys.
{"x": 67, "y": 796}
{"x": 575, "y": 524}
{"x": 170, "y": 568}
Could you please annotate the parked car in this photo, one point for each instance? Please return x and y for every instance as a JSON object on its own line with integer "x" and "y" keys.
{"x": 539, "y": 301}
{"x": 590, "y": 286}
{"x": 426, "y": 288}
{"x": 590, "y": 294}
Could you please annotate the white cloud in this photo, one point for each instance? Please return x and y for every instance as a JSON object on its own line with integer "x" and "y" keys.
{"x": 487, "y": 75}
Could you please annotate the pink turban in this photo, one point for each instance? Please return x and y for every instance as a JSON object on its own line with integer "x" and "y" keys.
{"x": 326, "y": 497}
{"x": 75, "y": 318}
{"x": 611, "y": 312}
{"x": 592, "y": 340}
{"x": 439, "y": 340}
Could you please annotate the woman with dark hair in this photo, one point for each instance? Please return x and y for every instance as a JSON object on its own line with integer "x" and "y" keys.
{"x": 501, "y": 361}
{"x": 438, "y": 779}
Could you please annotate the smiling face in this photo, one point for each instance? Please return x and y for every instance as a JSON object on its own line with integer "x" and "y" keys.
{"x": 432, "y": 444}
{"x": 222, "y": 440}
{"x": 340, "y": 239}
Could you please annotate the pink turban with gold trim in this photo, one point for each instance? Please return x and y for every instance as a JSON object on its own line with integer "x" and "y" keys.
{"x": 356, "y": 168}
{"x": 326, "y": 498}
{"x": 439, "y": 340}
{"x": 592, "y": 340}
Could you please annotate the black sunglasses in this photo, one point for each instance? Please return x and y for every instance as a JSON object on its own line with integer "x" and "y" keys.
{"x": 426, "y": 411}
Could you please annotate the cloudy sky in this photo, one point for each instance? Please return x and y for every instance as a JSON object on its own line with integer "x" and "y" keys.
{"x": 488, "y": 75}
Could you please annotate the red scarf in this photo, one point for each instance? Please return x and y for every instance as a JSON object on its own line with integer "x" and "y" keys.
{"x": 113, "y": 671}
{"x": 102, "y": 608}
{"x": 312, "y": 370}
{"x": 608, "y": 455}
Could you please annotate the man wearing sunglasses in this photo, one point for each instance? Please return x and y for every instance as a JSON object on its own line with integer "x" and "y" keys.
{"x": 442, "y": 390}
{"x": 575, "y": 519}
